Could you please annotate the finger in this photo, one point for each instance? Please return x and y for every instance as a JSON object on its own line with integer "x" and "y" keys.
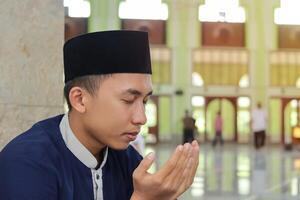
{"x": 178, "y": 178}
{"x": 171, "y": 163}
{"x": 194, "y": 163}
{"x": 185, "y": 178}
{"x": 144, "y": 165}
{"x": 175, "y": 177}
{"x": 190, "y": 170}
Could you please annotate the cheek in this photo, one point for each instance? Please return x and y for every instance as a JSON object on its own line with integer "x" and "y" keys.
{"x": 110, "y": 115}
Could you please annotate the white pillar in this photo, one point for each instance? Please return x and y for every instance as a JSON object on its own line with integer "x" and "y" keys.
{"x": 31, "y": 69}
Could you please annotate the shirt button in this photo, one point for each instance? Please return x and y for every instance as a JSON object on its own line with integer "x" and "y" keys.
{"x": 97, "y": 176}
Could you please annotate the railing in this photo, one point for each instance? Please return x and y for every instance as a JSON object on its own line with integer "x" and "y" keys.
{"x": 161, "y": 64}
{"x": 284, "y": 68}
{"x": 220, "y": 66}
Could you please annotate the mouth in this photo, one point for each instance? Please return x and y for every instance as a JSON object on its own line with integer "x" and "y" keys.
{"x": 131, "y": 136}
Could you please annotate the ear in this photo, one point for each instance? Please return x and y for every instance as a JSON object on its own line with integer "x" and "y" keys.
{"x": 78, "y": 98}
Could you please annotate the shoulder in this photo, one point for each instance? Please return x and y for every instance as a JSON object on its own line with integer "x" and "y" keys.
{"x": 29, "y": 165}
{"x": 34, "y": 144}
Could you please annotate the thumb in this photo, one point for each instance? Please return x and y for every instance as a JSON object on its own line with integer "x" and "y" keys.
{"x": 145, "y": 163}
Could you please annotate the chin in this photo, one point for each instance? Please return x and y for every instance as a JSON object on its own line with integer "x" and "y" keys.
{"x": 120, "y": 146}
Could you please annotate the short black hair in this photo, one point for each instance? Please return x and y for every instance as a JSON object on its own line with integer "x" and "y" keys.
{"x": 90, "y": 83}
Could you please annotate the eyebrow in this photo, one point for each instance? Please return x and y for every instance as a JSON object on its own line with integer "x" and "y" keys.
{"x": 136, "y": 92}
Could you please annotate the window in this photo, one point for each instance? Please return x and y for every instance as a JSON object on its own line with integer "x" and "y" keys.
{"x": 143, "y": 9}
{"x": 221, "y": 11}
{"x": 244, "y": 81}
{"x": 78, "y": 8}
{"x": 288, "y": 13}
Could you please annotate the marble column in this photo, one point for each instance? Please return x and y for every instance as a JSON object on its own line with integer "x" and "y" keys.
{"x": 31, "y": 64}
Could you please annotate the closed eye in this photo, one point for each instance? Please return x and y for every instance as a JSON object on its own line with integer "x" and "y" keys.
{"x": 128, "y": 101}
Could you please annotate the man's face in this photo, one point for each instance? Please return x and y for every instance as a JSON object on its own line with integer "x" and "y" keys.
{"x": 116, "y": 113}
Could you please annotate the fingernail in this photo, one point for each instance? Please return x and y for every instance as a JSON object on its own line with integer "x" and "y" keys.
{"x": 186, "y": 146}
{"x": 150, "y": 156}
{"x": 179, "y": 148}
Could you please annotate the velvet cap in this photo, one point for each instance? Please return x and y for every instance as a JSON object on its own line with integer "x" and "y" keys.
{"x": 107, "y": 52}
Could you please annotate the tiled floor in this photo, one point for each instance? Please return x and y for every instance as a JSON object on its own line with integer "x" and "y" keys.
{"x": 239, "y": 172}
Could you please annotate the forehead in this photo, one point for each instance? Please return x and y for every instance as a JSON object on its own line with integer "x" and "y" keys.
{"x": 124, "y": 81}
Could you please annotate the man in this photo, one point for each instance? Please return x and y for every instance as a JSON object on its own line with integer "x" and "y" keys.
{"x": 188, "y": 127}
{"x": 85, "y": 154}
{"x": 259, "y": 124}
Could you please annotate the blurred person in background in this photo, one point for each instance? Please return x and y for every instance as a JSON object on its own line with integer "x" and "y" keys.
{"x": 258, "y": 125}
{"x": 218, "y": 129}
{"x": 189, "y": 127}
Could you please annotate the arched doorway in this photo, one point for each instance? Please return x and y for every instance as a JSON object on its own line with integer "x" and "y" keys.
{"x": 228, "y": 108}
{"x": 290, "y": 118}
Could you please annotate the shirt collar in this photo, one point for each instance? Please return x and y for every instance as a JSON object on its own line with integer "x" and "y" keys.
{"x": 75, "y": 146}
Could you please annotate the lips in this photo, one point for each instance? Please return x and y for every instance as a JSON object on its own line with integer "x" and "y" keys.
{"x": 131, "y": 135}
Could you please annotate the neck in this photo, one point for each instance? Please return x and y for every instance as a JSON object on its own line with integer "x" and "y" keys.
{"x": 85, "y": 138}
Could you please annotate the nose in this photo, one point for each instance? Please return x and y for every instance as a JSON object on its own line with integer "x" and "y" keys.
{"x": 139, "y": 115}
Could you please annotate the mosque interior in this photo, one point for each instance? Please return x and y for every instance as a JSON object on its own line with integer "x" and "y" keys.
{"x": 207, "y": 56}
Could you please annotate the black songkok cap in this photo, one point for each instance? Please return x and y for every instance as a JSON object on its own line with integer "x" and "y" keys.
{"x": 107, "y": 52}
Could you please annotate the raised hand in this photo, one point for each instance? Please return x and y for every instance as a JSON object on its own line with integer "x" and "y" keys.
{"x": 174, "y": 178}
